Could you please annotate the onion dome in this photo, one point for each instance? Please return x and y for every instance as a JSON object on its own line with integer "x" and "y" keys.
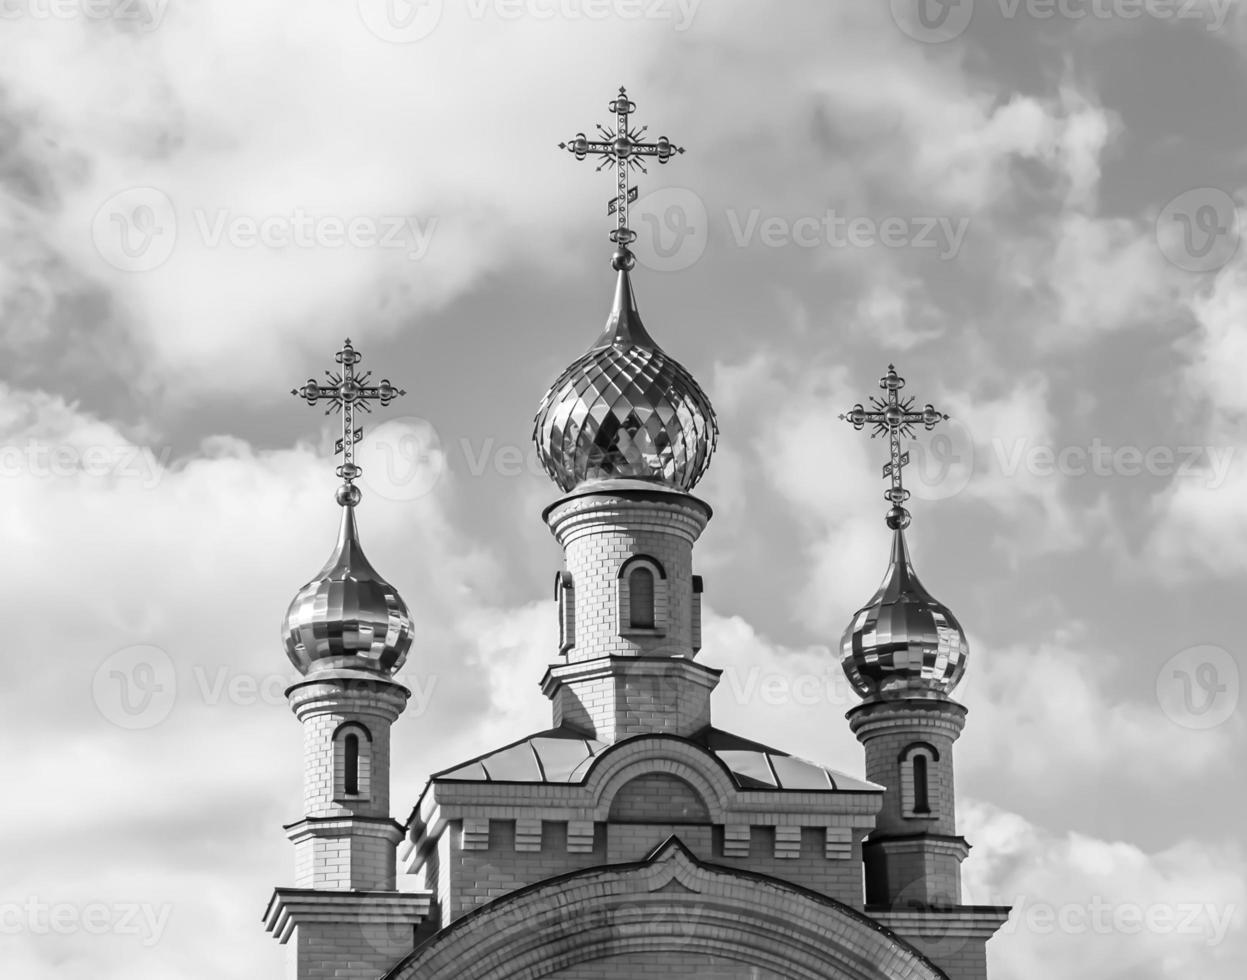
{"x": 903, "y": 643}
{"x": 348, "y": 615}
{"x": 625, "y": 409}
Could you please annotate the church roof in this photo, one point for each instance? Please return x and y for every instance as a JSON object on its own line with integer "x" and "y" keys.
{"x": 564, "y": 755}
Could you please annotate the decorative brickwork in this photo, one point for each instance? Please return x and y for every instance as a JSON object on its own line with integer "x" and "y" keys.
{"x": 668, "y": 905}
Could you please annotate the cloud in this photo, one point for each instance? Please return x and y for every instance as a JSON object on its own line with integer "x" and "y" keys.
{"x": 1084, "y": 907}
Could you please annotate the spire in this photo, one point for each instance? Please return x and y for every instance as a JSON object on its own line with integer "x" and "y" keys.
{"x": 625, "y": 409}
{"x": 623, "y": 326}
{"x": 903, "y": 642}
{"x": 348, "y": 616}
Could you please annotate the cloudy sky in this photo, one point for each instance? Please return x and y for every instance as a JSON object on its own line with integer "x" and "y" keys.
{"x": 1028, "y": 205}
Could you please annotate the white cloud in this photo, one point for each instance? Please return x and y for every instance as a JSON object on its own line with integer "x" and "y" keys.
{"x": 1085, "y": 907}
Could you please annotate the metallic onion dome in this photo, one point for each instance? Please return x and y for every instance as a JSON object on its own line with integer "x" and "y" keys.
{"x": 625, "y": 409}
{"x": 903, "y": 643}
{"x": 348, "y": 615}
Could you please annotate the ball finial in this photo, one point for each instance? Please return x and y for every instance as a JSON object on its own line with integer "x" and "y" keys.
{"x": 623, "y": 260}
{"x": 898, "y": 518}
{"x": 348, "y": 495}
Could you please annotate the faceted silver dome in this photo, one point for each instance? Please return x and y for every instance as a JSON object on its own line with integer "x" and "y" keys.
{"x": 348, "y": 615}
{"x": 903, "y": 643}
{"x": 625, "y": 410}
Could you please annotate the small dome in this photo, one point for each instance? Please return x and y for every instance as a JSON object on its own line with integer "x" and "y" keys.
{"x": 903, "y": 643}
{"x": 348, "y": 615}
{"x": 625, "y": 410}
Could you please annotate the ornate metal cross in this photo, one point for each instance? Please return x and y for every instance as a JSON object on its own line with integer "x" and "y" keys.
{"x": 623, "y": 146}
{"x": 896, "y": 418}
{"x": 345, "y": 392}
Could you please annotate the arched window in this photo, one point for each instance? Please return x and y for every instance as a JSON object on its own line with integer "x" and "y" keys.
{"x": 920, "y": 784}
{"x": 352, "y": 763}
{"x": 641, "y": 598}
{"x": 350, "y": 774}
{"x": 915, "y": 771}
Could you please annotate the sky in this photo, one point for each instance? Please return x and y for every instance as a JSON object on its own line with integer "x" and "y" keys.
{"x": 1031, "y": 207}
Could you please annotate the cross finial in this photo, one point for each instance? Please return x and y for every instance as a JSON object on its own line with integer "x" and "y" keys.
{"x": 896, "y": 418}
{"x": 623, "y": 146}
{"x": 345, "y": 392}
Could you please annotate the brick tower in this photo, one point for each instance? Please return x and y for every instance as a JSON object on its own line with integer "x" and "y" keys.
{"x": 347, "y": 631}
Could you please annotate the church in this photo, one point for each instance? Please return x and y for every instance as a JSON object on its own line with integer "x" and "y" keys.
{"x": 632, "y": 838}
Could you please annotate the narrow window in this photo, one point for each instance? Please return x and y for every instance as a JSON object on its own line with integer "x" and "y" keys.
{"x": 920, "y": 784}
{"x": 350, "y": 746}
{"x": 641, "y": 598}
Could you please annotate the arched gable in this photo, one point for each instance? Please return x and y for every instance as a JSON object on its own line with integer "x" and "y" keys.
{"x": 668, "y": 903}
{"x": 644, "y": 755}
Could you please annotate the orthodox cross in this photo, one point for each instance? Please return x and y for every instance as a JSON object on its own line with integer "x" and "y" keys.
{"x": 624, "y": 146}
{"x": 895, "y": 418}
{"x": 345, "y": 392}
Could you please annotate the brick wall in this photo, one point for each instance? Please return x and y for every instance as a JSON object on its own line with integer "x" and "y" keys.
{"x": 650, "y": 966}
{"x": 599, "y": 532}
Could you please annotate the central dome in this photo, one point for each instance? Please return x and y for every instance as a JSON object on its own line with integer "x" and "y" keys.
{"x": 625, "y": 410}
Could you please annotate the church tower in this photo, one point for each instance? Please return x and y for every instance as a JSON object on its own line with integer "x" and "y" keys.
{"x": 904, "y": 653}
{"x": 632, "y": 837}
{"x": 347, "y": 631}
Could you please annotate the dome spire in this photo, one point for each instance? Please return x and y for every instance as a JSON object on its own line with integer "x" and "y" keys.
{"x": 625, "y": 409}
{"x": 348, "y": 616}
{"x": 903, "y": 642}
{"x": 624, "y": 146}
